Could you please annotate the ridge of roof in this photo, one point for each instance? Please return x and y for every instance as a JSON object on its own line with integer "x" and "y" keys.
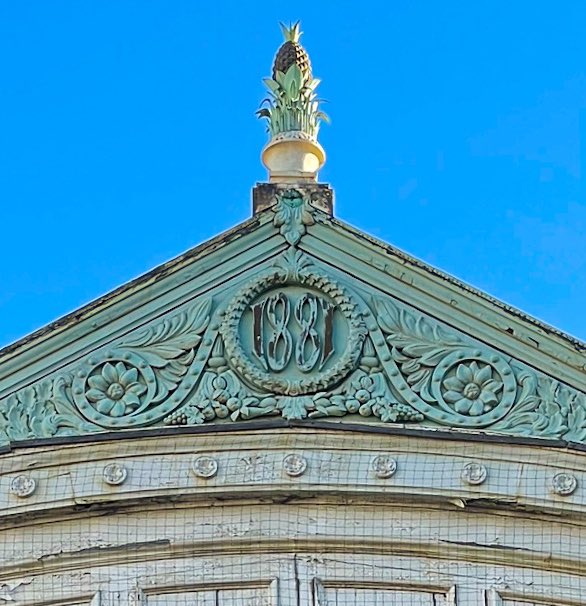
{"x": 575, "y": 342}
{"x": 152, "y": 275}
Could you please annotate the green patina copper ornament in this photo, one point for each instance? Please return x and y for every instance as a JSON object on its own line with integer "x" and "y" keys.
{"x": 293, "y": 106}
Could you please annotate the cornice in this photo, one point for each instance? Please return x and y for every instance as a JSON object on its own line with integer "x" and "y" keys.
{"x": 254, "y": 465}
{"x": 448, "y": 299}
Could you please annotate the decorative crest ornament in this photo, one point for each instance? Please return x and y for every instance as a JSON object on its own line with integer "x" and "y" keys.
{"x": 292, "y": 113}
{"x": 293, "y": 213}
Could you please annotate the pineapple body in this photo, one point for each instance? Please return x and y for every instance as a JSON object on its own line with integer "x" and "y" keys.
{"x": 292, "y": 53}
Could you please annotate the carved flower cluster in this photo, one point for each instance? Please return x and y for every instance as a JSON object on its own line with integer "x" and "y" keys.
{"x": 366, "y": 395}
{"x": 216, "y": 405}
{"x": 115, "y": 389}
{"x": 362, "y": 397}
{"x": 472, "y": 390}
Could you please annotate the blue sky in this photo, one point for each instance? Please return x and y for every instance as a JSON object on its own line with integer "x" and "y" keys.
{"x": 128, "y": 136}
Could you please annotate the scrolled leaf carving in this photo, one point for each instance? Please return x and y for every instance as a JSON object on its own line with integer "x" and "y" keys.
{"x": 442, "y": 375}
{"x": 168, "y": 347}
{"x": 417, "y": 345}
{"x": 130, "y": 385}
{"x": 546, "y": 408}
{"x": 293, "y": 214}
{"x": 42, "y": 410}
{"x": 173, "y": 336}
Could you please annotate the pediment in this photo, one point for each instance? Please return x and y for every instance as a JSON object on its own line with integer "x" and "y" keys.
{"x": 294, "y": 315}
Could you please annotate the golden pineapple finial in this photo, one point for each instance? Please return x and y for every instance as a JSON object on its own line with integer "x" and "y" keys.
{"x": 292, "y": 113}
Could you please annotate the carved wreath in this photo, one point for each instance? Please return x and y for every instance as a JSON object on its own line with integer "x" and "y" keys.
{"x": 293, "y": 271}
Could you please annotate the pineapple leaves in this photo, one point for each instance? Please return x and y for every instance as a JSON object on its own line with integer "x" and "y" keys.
{"x": 293, "y": 105}
{"x": 272, "y": 85}
{"x": 313, "y": 84}
{"x": 280, "y": 78}
{"x": 292, "y": 82}
{"x": 291, "y": 33}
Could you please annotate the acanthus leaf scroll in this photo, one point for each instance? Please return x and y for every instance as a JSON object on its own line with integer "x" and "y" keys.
{"x": 442, "y": 375}
{"x": 42, "y": 410}
{"x": 129, "y": 385}
{"x": 293, "y": 214}
{"x": 135, "y": 383}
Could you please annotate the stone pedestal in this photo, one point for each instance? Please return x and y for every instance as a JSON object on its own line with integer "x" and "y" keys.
{"x": 264, "y": 195}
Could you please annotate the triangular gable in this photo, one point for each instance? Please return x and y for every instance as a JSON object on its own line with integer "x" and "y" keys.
{"x": 294, "y": 315}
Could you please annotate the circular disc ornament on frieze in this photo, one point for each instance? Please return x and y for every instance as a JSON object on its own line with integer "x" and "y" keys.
{"x": 293, "y": 335}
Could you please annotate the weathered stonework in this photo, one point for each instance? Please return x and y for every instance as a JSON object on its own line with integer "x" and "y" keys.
{"x": 318, "y": 195}
{"x": 294, "y": 516}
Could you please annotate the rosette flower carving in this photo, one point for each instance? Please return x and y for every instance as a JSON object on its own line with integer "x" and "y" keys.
{"x": 472, "y": 390}
{"x": 115, "y": 389}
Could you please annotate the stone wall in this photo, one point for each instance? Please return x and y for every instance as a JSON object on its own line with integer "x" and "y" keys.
{"x": 288, "y": 516}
